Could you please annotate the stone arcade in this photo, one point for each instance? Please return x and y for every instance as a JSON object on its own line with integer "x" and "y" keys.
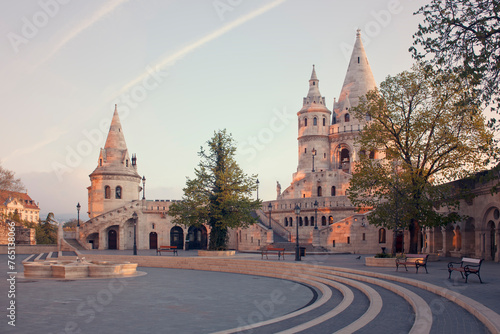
{"x": 327, "y": 221}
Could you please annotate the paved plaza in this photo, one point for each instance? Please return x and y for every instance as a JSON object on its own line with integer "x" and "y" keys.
{"x": 169, "y": 300}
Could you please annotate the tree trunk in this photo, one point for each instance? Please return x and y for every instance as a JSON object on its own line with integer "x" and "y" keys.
{"x": 218, "y": 237}
{"x": 414, "y": 229}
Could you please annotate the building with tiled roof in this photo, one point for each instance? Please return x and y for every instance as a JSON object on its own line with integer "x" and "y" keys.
{"x": 26, "y": 207}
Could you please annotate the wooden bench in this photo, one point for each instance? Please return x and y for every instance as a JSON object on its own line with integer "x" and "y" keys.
{"x": 417, "y": 260}
{"x": 467, "y": 266}
{"x": 172, "y": 249}
{"x": 279, "y": 251}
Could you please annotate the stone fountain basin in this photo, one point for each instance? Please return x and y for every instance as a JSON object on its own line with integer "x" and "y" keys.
{"x": 74, "y": 269}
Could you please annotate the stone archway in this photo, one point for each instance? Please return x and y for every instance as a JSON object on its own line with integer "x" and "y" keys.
{"x": 112, "y": 239}
{"x": 93, "y": 240}
{"x": 491, "y": 244}
{"x": 177, "y": 237}
{"x": 197, "y": 237}
{"x": 153, "y": 240}
{"x": 469, "y": 238}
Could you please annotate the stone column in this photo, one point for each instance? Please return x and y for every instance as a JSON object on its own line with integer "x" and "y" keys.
{"x": 316, "y": 242}
{"x": 102, "y": 239}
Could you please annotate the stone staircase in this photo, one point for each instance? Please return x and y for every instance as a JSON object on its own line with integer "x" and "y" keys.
{"x": 75, "y": 244}
{"x": 290, "y": 247}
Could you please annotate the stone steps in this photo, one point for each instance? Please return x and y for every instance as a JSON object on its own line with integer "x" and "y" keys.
{"x": 326, "y": 279}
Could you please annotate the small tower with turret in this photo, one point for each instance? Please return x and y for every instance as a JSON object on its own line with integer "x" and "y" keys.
{"x": 115, "y": 181}
{"x": 314, "y": 121}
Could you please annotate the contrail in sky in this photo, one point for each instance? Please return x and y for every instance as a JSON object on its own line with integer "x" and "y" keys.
{"x": 102, "y": 12}
{"x": 169, "y": 60}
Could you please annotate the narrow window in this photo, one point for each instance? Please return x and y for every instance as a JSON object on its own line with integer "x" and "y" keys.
{"x": 118, "y": 193}
{"x": 333, "y": 243}
{"x": 320, "y": 191}
{"x": 305, "y": 121}
{"x": 347, "y": 118}
{"x": 100, "y": 162}
{"x": 300, "y": 221}
{"x": 315, "y": 121}
{"x": 314, "y": 83}
{"x": 286, "y": 222}
{"x": 372, "y": 155}
{"x": 324, "y": 121}
{"x": 107, "y": 192}
{"x": 305, "y": 150}
{"x": 330, "y": 220}
{"x": 364, "y": 237}
{"x": 381, "y": 236}
{"x": 126, "y": 163}
{"x": 358, "y": 60}
{"x": 348, "y": 240}
{"x": 323, "y": 221}
{"x": 333, "y": 190}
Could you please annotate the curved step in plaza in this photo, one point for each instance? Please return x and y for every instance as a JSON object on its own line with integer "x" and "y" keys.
{"x": 346, "y": 300}
{"x": 350, "y": 300}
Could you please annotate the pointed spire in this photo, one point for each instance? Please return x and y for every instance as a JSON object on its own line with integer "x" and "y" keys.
{"x": 116, "y": 139}
{"x": 358, "y": 79}
{"x": 313, "y": 96}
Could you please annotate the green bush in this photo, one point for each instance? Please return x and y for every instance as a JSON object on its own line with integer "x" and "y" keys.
{"x": 383, "y": 255}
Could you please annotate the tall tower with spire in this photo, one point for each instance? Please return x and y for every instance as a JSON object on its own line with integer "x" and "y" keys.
{"x": 358, "y": 81}
{"x": 115, "y": 181}
{"x": 314, "y": 121}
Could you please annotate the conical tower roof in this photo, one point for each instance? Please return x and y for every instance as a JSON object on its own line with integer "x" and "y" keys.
{"x": 358, "y": 79}
{"x": 314, "y": 101}
{"x": 114, "y": 157}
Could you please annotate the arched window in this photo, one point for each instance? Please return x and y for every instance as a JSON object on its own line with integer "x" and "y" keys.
{"x": 334, "y": 120}
{"x": 381, "y": 236}
{"x": 290, "y": 220}
{"x": 107, "y": 192}
{"x": 286, "y": 221}
{"x": 312, "y": 221}
{"x": 324, "y": 121}
{"x": 300, "y": 221}
{"x": 118, "y": 192}
{"x": 323, "y": 221}
{"x": 372, "y": 154}
{"x": 126, "y": 163}
{"x": 333, "y": 190}
{"x": 306, "y": 221}
{"x": 330, "y": 220}
{"x": 347, "y": 118}
{"x": 305, "y": 121}
{"x": 320, "y": 191}
{"x": 315, "y": 121}
{"x": 100, "y": 162}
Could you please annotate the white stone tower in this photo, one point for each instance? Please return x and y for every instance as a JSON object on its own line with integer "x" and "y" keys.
{"x": 358, "y": 81}
{"x": 314, "y": 121}
{"x": 115, "y": 181}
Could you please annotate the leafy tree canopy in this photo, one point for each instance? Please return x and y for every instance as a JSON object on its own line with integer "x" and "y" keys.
{"x": 220, "y": 193}
{"x": 464, "y": 36}
{"x": 430, "y": 131}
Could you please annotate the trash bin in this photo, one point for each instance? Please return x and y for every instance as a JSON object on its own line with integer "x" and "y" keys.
{"x": 302, "y": 251}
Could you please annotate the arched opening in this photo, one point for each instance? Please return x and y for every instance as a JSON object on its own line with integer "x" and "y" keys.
{"x": 493, "y": 241}
{"x": 306, "y": 221}
{"x": 315, "y": 121}
{"x": 107, "y": 192}
{"x": 177, "y": 237}
{"x": 323, "y": 221}
{"x": 330, "y": 220}
{"x": 153, "y": 240}
{"x": 93, "y": 240}
{"x": 300, "y": 221}
{"x": 312, "y": 221}
{"x": 286, "y": 222}
{"x": 290, "y": 221}
{"x": 320, "y": 191}
{"x": 347, "y": 118}
{"x": 344, "y": 160}
{"x": 382, "y": 236}
{"x": 457, "y": 239}
{"x": 324, "y": 121}
{"x": 469, "y": 238}
{"x": 112, "y": 239}
{"x": 305, "y": 121}
{"x": 118, "y": 192}
{"x": 333, "y": 190}
{"x": 197, "y": 237}
{"x": 372, "y": 155}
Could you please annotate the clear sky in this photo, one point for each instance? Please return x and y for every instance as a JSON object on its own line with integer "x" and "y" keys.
{"x": 178, "y": 70}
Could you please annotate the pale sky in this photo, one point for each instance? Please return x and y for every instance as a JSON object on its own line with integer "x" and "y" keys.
{"x": 178, "y": 70}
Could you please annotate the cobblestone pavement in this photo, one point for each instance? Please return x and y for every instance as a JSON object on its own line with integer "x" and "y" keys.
{"x": 187, "y": 301}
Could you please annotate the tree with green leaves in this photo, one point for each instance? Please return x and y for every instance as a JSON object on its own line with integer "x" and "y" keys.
{"x": 220, "y": 193}
{"x": 431, "y": 132}
{"x": 463, "y": 36}
{"x": 46, "y": 230}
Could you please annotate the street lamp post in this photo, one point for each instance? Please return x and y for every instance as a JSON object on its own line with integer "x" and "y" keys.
{"x": 143, "y": 187}
{"x": 78, "y": 206}
{"x": 315, "y": 215}
{"x": 297, "y": 249}
{"x": 257, "y": 188}
{"x": 270, "y": 207}
{"x": 313, "y": 155}
{"x": 134, "y": 217}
